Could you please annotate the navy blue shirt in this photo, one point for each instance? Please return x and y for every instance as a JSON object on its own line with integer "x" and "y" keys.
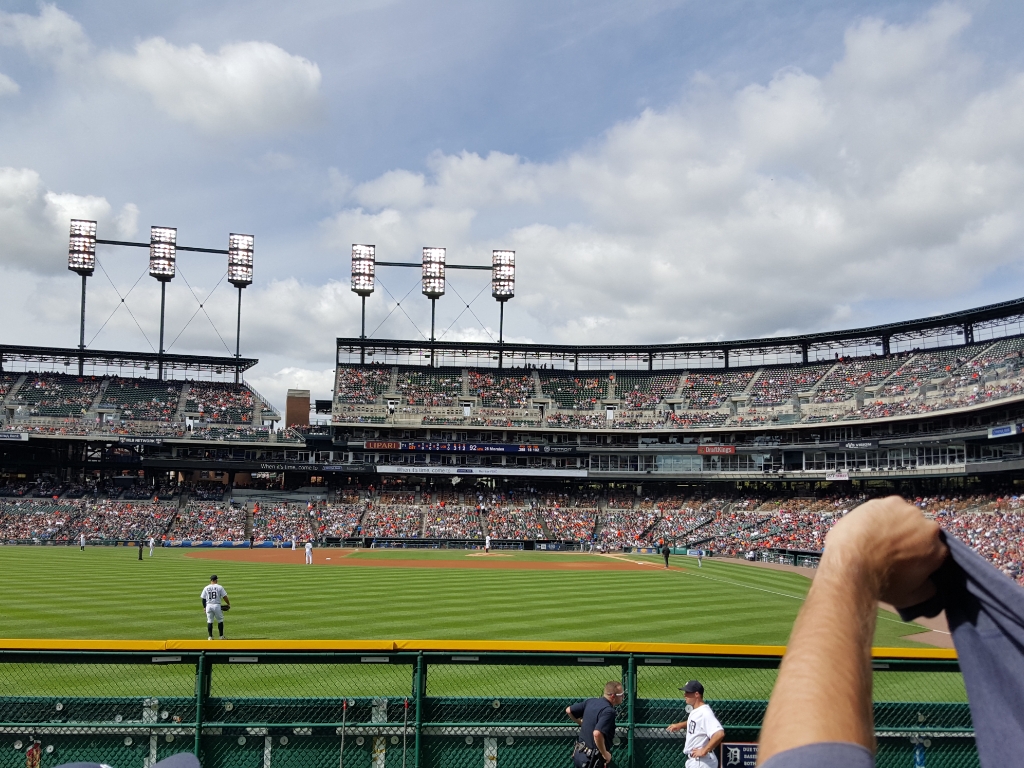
{"x": 598, "y": 715}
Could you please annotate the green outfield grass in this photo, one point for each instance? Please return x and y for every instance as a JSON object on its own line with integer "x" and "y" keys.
{"x": 107, "y": 593}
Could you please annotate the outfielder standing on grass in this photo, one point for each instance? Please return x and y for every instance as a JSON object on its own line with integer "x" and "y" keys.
{"x": 596, "y": 718}
{"x": 703, "y": 731}
{"x": 309, "y": 553}
{"x": 213, "y": 595}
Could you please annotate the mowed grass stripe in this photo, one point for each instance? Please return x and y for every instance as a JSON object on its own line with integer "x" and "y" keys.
{"x": 108, "y": 593}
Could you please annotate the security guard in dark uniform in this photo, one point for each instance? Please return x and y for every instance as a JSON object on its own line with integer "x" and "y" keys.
{"x": 596, "y": 718}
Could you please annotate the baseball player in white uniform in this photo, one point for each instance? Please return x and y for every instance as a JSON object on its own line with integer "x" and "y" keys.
{"x": 703, "y": 731}
{"x": 293, "y": 542}
{"x": 309, "y": 553}
{"x": 213, "y": 595}
{"x": 81, "y": 542}
{"x": 487, "y": 543}
{"x": 152, "y": 543}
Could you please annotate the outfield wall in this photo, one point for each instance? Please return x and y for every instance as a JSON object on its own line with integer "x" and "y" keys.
{"x": 420, "y": 703}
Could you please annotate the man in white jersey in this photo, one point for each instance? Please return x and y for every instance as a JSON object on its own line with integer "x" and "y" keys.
{"x": 309, "y": 553}
{"x": 487, "y": 543}
{"x": 152, "y": 543}
{"x": 81, "y": 541}
{"x": 213, "y": 595}
{"x": 703, "y": 731}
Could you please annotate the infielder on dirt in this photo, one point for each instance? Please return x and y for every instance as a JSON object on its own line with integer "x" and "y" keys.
{"x": 213, "y": 595}
{"x": 309, "y": 553}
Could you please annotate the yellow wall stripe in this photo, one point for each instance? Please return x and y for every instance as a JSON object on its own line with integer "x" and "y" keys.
{"x": 442, "y": 646}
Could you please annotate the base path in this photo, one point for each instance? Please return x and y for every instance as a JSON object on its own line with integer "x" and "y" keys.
{"x": 350, "y": 558}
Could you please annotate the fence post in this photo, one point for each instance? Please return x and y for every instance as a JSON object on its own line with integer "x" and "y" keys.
{"x": 202, "y": 690}
{"x": 630, "y": 709}
{"x": 421, "y": 674}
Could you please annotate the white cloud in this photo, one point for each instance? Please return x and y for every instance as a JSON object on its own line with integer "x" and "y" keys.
{"x": 7, "y": 86}
{"x": 774, "y": 207}
{"x": 52, "y": 36}
{"x": 249, "y": 87}
{"x": 34, "y": 221}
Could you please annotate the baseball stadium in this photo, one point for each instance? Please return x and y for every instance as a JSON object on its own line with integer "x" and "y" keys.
{"x": 475, "y": 536}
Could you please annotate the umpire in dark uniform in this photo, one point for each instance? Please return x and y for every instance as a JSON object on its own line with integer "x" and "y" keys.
{"x": 665, "y": 552}
{"x": 596, "y": 718}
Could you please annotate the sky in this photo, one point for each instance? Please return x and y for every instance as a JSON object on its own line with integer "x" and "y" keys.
{"x": 665, "y": 170}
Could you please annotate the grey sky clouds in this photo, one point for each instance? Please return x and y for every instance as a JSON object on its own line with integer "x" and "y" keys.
{"x": 677, "y": 170}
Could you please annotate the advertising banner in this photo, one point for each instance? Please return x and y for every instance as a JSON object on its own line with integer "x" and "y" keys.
{"x": 716, "y": 450}
{"x": 13, "y": 436}
{"x": 837, "y": 475}
{"x": 480, "y": 471}
{"x": 859, "y": 445}
{"x": 423, "y": 446}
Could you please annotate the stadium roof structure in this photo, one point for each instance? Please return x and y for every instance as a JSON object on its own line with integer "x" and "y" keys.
{"x": 14, "y": 357}
{"x": 989, "y": 322}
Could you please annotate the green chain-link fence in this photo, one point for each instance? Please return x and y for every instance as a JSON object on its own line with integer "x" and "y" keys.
{"x": 407, "y": 709}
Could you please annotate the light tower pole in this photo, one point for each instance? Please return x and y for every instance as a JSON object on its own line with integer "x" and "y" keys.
{"x": 163, "y": 242}
{"x": 503, "y": 288}
{"x": 240, "y": 252}
{"x": 364, "y": 259}
{"x": 433, "y": 284}
{"x": 82, "y": 259}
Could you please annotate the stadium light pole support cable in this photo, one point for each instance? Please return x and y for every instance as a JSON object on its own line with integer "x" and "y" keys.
{"x": 163, "y": 248}
{"x": 432, "y": 266}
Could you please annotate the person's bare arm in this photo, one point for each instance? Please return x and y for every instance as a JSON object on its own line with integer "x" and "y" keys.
{"x": 716, "y": 738}
{"x": 599, "y": 743}
{"x": 883, "y": 550}
{"x": 677, "y": 726}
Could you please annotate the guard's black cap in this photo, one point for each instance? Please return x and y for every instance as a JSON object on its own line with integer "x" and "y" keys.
{"x": 214, "y": 577}
{"x": 693, "y": 686}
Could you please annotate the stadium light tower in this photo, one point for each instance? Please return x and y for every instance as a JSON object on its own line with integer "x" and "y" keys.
{"x": 503, "y": 288}
{"x": 433, "y": 283}
{"x": 82, "y": 259}
{"x": 364, "y": 262}
{"x": 163, "y": 250}
{"x": 240, "y": 250}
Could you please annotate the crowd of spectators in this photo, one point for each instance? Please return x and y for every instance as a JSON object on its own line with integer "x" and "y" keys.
{"x": 708, "y": 391}
{"x": 513, "y": 523}
{"x": 221, "y": 402}
{"x": 622, "y": 529}
{"x": 341, "y": 520}
{"x": 142, "y": 399}
{"x": 281, "y": 522}
{"x": 451, "y": 522}
{"x": 393, "y": 521}
{"x": 65, "y": 520}
{"x": 778, "y": 385}
{"x": 59, "y": 395}
{"x": 209, "y": 521}
{"x": 361, "y": 386}
{"x": 501, "y": 391}
{"x": 644, "y": 392}
{"x": 574, "y": 392}
{"x": 569, "y": 523}
{"x": 435, "y": 389}
{"x": 843, "y": 381}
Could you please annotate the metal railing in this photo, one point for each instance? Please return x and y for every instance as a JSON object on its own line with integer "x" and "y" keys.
{"x": 420, "y": 704}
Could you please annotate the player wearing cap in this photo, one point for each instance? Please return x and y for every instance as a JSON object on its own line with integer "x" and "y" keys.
{"x": 309, "y": 553}
{"x": 213, "y": 595}
{"x": 703, "y": 731}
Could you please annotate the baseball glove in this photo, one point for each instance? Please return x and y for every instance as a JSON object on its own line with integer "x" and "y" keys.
{"x": 225, "y": 608}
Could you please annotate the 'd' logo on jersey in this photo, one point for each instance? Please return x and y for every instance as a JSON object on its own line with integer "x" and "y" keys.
{"x": 691, "y": 727}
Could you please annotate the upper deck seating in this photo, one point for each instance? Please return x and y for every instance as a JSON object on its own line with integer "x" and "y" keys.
{"x": 498, "y": 391}
{"x": 143, "y": 399}
{"x": 436, "y": 388}
{"x": 643, "y": 392}
{"x": 57, "y": 394}
{"x": 711, "y": 390}
{"x": 361, "y": 385}
{"x": 849, "y": 376}
{"x": 575, "y": 391}
{"x": 221, "y": 402}
{"x": 777, "y": 385}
